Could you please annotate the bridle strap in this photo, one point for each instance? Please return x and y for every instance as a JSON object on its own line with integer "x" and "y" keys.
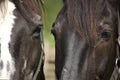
{"x": 118, "y": 55}
{"x": 116, "y": 72}
{"x": 41, "y": 56}
{"x": 118, "y": 48}
{"x": 118, "y": 45}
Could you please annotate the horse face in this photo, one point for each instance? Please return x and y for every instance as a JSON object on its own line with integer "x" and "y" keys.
{"x": 20, "y": 47}
{"x": 85, "y": 44}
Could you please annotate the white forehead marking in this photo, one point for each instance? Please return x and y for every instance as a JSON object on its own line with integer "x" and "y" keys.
{"x": 6, "y": 25}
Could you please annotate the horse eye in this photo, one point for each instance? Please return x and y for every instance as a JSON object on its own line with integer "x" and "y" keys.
{"x": 36, "y": 33}
{"x": 106, "y": 34}
{"x": 53, "y": 31}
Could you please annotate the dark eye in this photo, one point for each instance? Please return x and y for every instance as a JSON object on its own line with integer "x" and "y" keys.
{"x": 106, "y": 34}
{"x": 53, "y": 31}
{"x": 36, "y": 32}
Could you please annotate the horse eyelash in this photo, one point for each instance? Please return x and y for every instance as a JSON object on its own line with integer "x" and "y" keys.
{"x": 53, "y": 31}
{"x": 36, "y": 32}
{"x": 105, "y": 34}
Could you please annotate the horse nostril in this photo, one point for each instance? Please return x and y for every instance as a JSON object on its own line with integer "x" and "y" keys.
{"x": 1, "y": 64}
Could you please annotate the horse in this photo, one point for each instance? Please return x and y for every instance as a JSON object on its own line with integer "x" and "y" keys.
{"x": 85, "y": 33}
{"x": 20, "y": 40}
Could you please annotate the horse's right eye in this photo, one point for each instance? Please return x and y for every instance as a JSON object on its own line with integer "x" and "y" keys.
{"x": 36, "y": 32}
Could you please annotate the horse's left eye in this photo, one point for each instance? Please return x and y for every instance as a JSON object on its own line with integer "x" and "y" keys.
{"x": 36, "y": 32}
{"x": 53, "y": 30}
{"x": 106, "y": 34}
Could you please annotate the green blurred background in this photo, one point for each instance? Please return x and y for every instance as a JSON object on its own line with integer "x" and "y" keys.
{"x": 52, "y": 8}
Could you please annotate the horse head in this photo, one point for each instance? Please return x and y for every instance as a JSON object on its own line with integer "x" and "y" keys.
{"x": 20, "y": 45}
{"x": 85, "y": 34}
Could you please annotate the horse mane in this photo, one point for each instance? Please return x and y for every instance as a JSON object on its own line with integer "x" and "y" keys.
{"x": 85, "y": 15}
{"x": 30, "y": 10}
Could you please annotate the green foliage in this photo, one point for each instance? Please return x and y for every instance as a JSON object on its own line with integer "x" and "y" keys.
{"x": 52, "y": 8}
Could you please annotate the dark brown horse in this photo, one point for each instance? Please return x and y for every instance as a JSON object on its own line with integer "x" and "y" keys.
{"x": 85, "y": 34}
{"x": 20, "y": 45}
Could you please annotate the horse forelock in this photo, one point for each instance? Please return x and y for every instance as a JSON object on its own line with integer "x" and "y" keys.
{"x": 6, "y": 24}
{"x": 30, "y": 10}
{"x": 84, "y": 15}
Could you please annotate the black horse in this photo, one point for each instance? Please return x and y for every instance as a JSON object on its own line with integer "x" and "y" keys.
{"x": 20, "y": 45}
{"x": 86, "y": 34}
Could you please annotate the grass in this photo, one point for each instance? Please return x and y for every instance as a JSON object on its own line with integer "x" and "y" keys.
{"x": 52, "y": 8}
